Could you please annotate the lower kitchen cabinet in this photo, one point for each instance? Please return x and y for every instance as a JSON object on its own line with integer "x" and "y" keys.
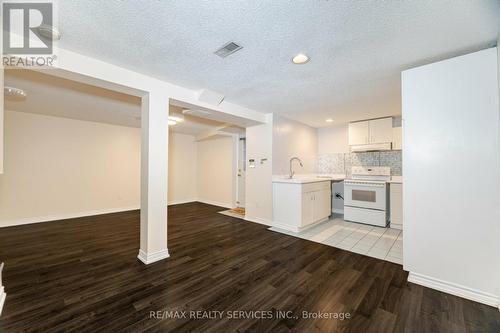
{"x": 396, "y": 204}
{"x": 298, "y": 206}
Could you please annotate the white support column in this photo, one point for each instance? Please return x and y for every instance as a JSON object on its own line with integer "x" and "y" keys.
{"x": 2, "y": 289}
{"x": 3, "y": 295}
{"x": 1, "y": 118}
{"x": 154, "y": 155}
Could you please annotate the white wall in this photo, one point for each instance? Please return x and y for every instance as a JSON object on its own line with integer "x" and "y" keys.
{"x": 216, "y": 171}
{"x": 57, "y": 168}
{"x": 182, "y": 168}
{"x": 1, "y": 120}
{"x": 258, "y": 194}
{"x": 451, "y": 168}
{"x": 333, "y": 139}
{"x": 292, "y": 138}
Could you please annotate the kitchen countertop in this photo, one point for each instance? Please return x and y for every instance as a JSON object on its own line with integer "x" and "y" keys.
{"x": 314, "y": 178}
{"x": 305, "y": 179}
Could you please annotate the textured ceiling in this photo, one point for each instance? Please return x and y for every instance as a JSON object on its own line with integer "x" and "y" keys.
{"x": 357, "y": 48}
{"x": 53, "y": 96}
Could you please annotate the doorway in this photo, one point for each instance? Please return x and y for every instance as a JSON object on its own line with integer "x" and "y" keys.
{"x": 241, "y": 166}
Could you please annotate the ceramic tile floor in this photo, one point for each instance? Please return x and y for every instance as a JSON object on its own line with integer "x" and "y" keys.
{"x": 381, "y": 243}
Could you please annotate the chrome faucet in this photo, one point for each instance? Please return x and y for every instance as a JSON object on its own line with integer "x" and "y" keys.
{"x": 291, "y": 164}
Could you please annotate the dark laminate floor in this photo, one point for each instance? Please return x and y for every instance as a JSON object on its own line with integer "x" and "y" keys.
{"x": 82, "y": 275}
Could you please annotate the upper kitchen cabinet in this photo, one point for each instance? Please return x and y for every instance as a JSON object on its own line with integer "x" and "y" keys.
{"x": 359, "y": 133}
{"x": 397, "y": 138}
{"x": 380, "y": 130}
{"x": 370, "y": 132}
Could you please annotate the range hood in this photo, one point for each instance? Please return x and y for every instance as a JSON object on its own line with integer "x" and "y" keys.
{"x": 371, "y": 147}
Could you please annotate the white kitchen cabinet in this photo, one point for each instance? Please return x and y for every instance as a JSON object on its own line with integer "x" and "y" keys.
{"x": 321, "y": 204}
{"x": 397, "y": 138}
{"x": 307, "y": 208}
{"x": 370, "y": 132}
{"x": 359, "y": 133}
{"x": 380, "y": 130}
{"x": 396, "y": 204}
{"x": 298, "y": 206}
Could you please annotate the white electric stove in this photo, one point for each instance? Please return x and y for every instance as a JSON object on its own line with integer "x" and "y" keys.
{"x": 366, "y": 198}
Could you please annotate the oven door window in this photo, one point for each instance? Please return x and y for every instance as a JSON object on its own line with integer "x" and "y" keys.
{"x": 364, "y": 195}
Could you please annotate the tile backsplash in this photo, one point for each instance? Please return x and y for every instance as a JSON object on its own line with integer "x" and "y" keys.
{"x": 340, "y": 163}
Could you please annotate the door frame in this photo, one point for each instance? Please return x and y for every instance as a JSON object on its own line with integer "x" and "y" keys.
{"x": 238, "y": 143}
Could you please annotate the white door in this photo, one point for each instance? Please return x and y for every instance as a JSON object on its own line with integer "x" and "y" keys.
{"x": 307, "y": 208}
{"x": 322, "y": 205}
{"x": 240, "y": 200}
{"x": 381, "y": 130}
{"x": 326, "y": 203}
{"x": 358, "y": 133}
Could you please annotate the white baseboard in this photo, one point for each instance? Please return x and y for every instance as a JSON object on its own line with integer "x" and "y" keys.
{"x": 455, "y": 289}
{"x": 297, "y": 228}
{"x": 338, "y": 211}
{"x": 396, "y": 226}
{"x": 178, "y": 202}
{"x": 57, "y": 217}
{"x": 3, "y": 295}
{"x": 285, "y": 227}
{"x": 215, "y": 203}
{"x": 149, "y": 258}
{"x": 259, "y": 220}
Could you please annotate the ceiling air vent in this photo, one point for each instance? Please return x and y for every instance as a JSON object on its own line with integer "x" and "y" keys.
{"x": 228, "y": 49}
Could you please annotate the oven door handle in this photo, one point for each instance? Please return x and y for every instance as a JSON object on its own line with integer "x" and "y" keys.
{"x": 364, "y": 184}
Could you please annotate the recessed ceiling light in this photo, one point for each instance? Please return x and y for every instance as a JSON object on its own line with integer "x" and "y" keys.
{"x": 49, "y": 32}
{"x": 300, "y": 59}
{"x": 177, "y": 119}
{"x": 196, "y": 112}
{"x": 14, "y": 94}
{"x": 172, "y": 122}
{"x": 329, "y": 120}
